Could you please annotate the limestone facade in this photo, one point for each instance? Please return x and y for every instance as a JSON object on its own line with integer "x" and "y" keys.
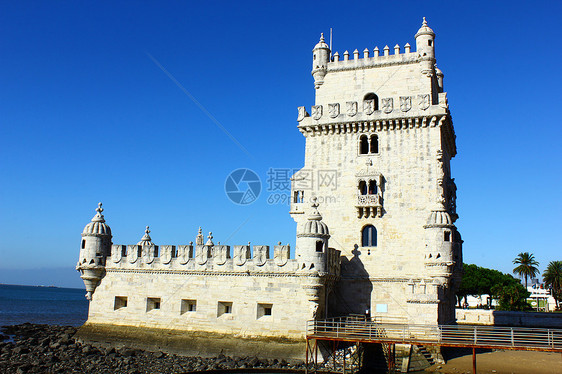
{"x": 375, "y": 207}
{"x": 379, "y": 141}
{"x": 206, "y": 287}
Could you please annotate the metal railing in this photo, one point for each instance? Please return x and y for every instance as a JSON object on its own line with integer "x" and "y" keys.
{"x": 357, "y": 329}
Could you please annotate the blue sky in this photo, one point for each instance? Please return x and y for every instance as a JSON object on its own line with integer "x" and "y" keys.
{"x": 87, "y": 116}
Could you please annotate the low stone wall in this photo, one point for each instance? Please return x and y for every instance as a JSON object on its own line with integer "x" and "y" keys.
{"x": 500, "y": 318}
{"x": 190, "y": 343}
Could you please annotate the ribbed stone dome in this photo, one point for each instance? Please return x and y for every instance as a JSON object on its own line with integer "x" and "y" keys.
{"x": 321, "y": 43}
{"x": 439, "y": 218}
{"x": 314, "y": 225}
{"x": 438, "y": 71}
{"x": 315, "y": 228}
{"x": 97, "y": 226}
{"x": 425, "y": 29}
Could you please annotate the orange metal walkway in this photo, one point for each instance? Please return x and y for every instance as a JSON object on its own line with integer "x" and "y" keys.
{"x": 355, "y": 330}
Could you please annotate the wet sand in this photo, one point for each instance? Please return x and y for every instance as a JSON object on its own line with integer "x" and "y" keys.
{"x": 516, "y": 362}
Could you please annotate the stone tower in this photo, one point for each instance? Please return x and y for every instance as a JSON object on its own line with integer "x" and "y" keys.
{"x": 379, "y": 141}
{"x": 94, "y": 248}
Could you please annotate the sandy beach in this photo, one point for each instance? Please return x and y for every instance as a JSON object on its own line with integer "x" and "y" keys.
{"x": 504, "y": 362}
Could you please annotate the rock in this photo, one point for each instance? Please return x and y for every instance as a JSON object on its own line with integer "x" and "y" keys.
{"x": 23, "y": 368}
{"x": 127, "y": 352}
{"x": 253, "y": 362}
{"x": 159, "y": 354}
{"x": 110, "y": 350}
{"x": 89, "y": 350}
{"x": 20, "y": 350}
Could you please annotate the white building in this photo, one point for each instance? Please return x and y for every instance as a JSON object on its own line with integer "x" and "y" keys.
{"x": 375, "y": 207}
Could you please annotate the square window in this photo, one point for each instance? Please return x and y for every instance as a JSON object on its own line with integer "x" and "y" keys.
{"x": 188, "y": 306}
{"x": 265, "y": 310}
{"x": 381, "y": 308}
{"x": 120, "y": 302}
{"x": 152, "y": 303}
{"x": 224, "y": 307}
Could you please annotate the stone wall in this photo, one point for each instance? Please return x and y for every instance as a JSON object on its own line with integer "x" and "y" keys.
{"x": 502, "y": 318}
{"x": 209, "y": 291}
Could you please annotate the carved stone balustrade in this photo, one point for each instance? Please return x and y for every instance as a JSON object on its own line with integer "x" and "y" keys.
{"x": 369, "y": 206}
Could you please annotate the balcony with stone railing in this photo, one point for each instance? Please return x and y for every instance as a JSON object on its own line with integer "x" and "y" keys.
{"x": 369, "y": 206}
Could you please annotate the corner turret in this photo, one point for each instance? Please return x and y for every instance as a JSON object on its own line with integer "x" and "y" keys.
{"x": 320, "y": 59}
{"x": 95, "y": 247}
{"x": 425, "y": 45}
{"x": 443, "y": 258}
{"x": 312, "y": 242}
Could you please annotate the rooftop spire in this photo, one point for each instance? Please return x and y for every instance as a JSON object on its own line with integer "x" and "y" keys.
{"x": 210, "y": 239}
{"x": 146, "y": 234}
{"x": 315, "y": 214}
{"x": 146, "y": 239}
{"x": 98, "y": 217}
{"x": 425, "y": 29}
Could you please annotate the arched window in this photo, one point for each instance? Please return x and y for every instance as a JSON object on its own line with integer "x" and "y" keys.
{"x": 363, "y": 145}
{"x": 375, "y": 98}
{"x": 372, "y": 187}
{"x": 369, "y": 236}
{"x": 362, "y": 188}
{"x": 83, "y": 243}
{"x": 319, "y": 246}
{"x": 374, "y": 144}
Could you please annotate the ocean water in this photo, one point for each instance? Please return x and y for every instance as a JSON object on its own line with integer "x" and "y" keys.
{"x": 49, "y": 305}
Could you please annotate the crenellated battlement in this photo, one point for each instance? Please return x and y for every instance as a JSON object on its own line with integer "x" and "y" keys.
{"x": 211, "y": 258}
{"x": 366, "y": 59}
{"x": 203, "y": 257}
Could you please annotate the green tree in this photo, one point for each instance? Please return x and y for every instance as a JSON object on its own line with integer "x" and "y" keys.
{"x": 552, "y": 277}
{"x": 527, "y": 266}
{"x": 478, "y": 280}
{"x": 511, "y": 296}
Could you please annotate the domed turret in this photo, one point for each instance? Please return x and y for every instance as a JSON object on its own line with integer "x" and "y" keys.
{"x": 439, "y": 217}
{"x": 440, "y": 234}
{"x": 314, "y": 225}
{"x": 95, "y": 247}
{"x": 320, "y": 59}
{"x": 312, "y": 241}
{"x": 425, "y": 45}
{"x": 425, "y": 30}
{"x": 97, "y": 225}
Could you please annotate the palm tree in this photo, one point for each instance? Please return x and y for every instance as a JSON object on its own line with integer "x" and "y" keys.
{"x": 552, "y": 277}
{"x": 527, "y": 266}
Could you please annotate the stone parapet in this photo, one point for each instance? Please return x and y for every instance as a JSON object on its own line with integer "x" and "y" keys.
{"x": 216, "y": 259}
{"x": 367, "y": 60}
